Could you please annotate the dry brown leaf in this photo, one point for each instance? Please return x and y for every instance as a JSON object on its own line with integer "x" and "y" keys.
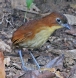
{"x": 42, "y": 73}
{"x": 37, "y": 74}
{"x": 2, "y": 66}
{"x": 53, "y": 70}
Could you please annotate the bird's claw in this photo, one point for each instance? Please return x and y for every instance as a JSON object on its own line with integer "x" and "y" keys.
{"x": 24, "y": 68}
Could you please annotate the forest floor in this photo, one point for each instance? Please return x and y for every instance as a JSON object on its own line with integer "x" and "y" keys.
{"x": 59, "y": 43}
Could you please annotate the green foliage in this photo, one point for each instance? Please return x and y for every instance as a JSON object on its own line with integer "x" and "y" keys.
{"x": 29, "y": 2}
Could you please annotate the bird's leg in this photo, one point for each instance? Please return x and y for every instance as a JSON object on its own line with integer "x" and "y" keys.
{"x": 22, "y": 61}
{"x": 35, "y": 61}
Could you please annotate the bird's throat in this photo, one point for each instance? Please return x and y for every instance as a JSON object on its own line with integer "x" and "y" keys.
{"x": 53, "y": 28}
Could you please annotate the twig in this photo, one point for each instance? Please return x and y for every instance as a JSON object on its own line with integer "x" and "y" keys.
{"x": 2, "y": 19}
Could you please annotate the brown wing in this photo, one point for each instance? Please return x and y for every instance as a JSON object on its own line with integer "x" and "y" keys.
{"x": 26, "y": 32}
{"x": 20, "y": 37}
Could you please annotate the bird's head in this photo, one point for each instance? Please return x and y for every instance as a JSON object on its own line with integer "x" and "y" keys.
{"x": 57, "y": 20}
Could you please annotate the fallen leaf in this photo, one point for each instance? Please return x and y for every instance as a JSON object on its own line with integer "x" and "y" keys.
{"x": 2, "y": 65}
{"x": 58, "y": 61}
{"x": 42, "y": 73}
{"x": 7, "y": 61}
{"x": 73, "y": 6}
{"x": 38, "y": 74}
{"x": 71, "y": 19}
{"x": 72, "y": 31}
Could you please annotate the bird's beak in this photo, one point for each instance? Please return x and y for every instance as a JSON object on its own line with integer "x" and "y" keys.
{"x": 66, "y": 26}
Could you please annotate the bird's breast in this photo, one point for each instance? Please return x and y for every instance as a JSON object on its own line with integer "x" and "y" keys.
{"x": 40, "y": 38}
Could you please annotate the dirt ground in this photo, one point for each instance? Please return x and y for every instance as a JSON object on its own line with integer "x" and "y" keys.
{"x": 60, "y": 40}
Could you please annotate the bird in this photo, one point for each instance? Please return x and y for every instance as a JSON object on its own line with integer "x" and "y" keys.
{"x": 35, "y": 33}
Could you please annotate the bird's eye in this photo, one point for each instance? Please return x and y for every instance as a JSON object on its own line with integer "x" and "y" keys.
{"x": 58, "y": 20}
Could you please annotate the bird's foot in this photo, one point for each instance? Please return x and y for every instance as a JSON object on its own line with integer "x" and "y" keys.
{"x": 24, "y": 68}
